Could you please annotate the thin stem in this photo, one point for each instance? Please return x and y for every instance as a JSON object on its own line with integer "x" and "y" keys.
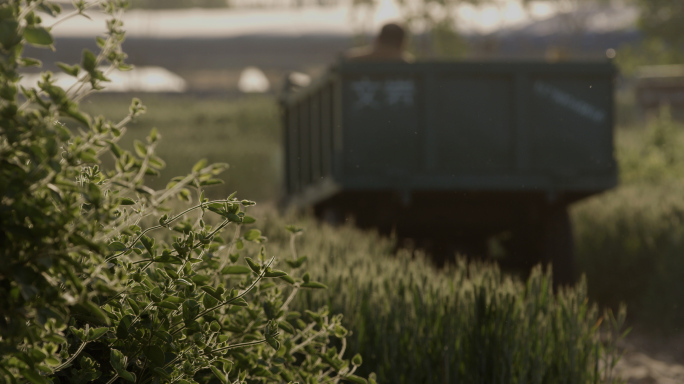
{"x": 289, "y": 299}
{"x": 175, "y": 188}
{"x": 76, "y": 13}
{"x": 256, "y": 281}
{"x": 143, "y": 166}
{"x": 305, "y": 330}
{"x": 142, "y": 371}
{"x": 230, "y": 249}
{"x": 65, "y": 18}
{"x": 307, "y": 341}
{"x": 163, "y": 226}
{"x": 116, "y": 376}
{"x": 292, "y": 246}
{"x": 239, "y": 345}
{"x": 344, "y": 346}
{"x": 72, "y": 357}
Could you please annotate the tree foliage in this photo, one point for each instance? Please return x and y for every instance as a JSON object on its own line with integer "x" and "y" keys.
{"x": 663, "y": 19}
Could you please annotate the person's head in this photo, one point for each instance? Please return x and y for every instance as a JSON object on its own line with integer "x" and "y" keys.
{"x": 391, "y": 36}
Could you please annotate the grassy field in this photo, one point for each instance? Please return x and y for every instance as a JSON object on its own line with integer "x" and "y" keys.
{"x": 244, "y": 133}
{"x": 629, "y": 240}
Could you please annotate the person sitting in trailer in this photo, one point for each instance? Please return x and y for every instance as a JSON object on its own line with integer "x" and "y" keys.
{"x": 390, "y": 45}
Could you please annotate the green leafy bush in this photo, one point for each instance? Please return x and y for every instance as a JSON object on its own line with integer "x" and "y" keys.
{"x": 93, "y": 288}
{"x": 652, "y": 155}
{"x": 630, "y": 240}
{"x": 630, "y": 244}
{"x": 465, "y": 324}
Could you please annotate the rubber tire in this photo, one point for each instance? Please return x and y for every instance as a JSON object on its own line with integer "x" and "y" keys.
{"x": 558, "y": 245}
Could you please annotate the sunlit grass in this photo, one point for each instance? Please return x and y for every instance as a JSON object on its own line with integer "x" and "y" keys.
{"x": 244, "y": 133}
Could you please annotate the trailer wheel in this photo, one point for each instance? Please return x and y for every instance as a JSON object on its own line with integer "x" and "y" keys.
{"x": 523, "y": 248}
{"x": 558, "y": 245}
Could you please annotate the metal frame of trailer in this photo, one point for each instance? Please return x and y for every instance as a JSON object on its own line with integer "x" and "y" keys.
{"x": 479, "y": 147}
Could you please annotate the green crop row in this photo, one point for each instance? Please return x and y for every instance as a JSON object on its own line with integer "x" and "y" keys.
{"x": 467, "y": 323}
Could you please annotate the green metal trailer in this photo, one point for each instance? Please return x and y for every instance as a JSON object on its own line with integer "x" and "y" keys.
{"x": 454, "y": 154}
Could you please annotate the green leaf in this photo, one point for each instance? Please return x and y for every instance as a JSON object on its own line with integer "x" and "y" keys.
{"x": 78, "y": 333}
{"x": 294, "y": 230}
{"x": 154, "y": 135}
{"x": 55, "y": 338}
{"x": 355, "y": 379}
{"x": 184, "y": 195}
{"x": 248, "y": 220}
{"x": 8, "y": 33}
{"x": 288, "y": 279}
{"x": 168, "y": 259}
{"x": 95, "y": 310}
{"x": 52, "y": 362}
{"x": 148, "y": 243}
{"x": 121, "y": 371}
{"x": 183, "y": 282}
{"x": 128, "y": 376}
{"x": 134, "y": 305}
{"x": 38, "y": 36}
{"x": 122, "y": 328}
{"x": 89, "y": 61}
{"x": 162, "y": 373}
{"x": 96, "y": 333}
{"x": 208, "y": 301}
{"x": 191, "y": 309}
{"x": 84, "y": 119}
{"x": 273, "y": 342}
{"x": 199, "y": 165}
{"x": 156, "y": 162}
{"x": 211, "y": 291}
{"x": 126, "y": 201}
{"x": 254, "y": 266}
{"x": 211, "y": 182}
{"x": 167, "y": 305}
{"x": 163, "y": 335}
{"x": 287, "y": 327}
{"x": 69, "y": 69}
{"x": 235, "y": 270}
{"x": 220, "y": 375}
{"x": 274, "y": 273}
{"x": 296, "y": 263}
{"x": 227, "y": 365}
{"x": 252, "y": 235}
{"x": 140, "y": 148}
{"x": 234, "y": 257}
{"x": 116, "y": 150}
{"x": 33, "y": 376}
{"x": 357, "y": 360}
{"x": 29, "y": 62}
{"x": 117, "y": 246}
{"x": 200, "y": 279}
{"x": 216, "y": 206}
{"x": 314, "y": 285}
{"x": 239, "y": 302}
{"x": 155, "y": 355}
{"x": 174, "y": 299}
